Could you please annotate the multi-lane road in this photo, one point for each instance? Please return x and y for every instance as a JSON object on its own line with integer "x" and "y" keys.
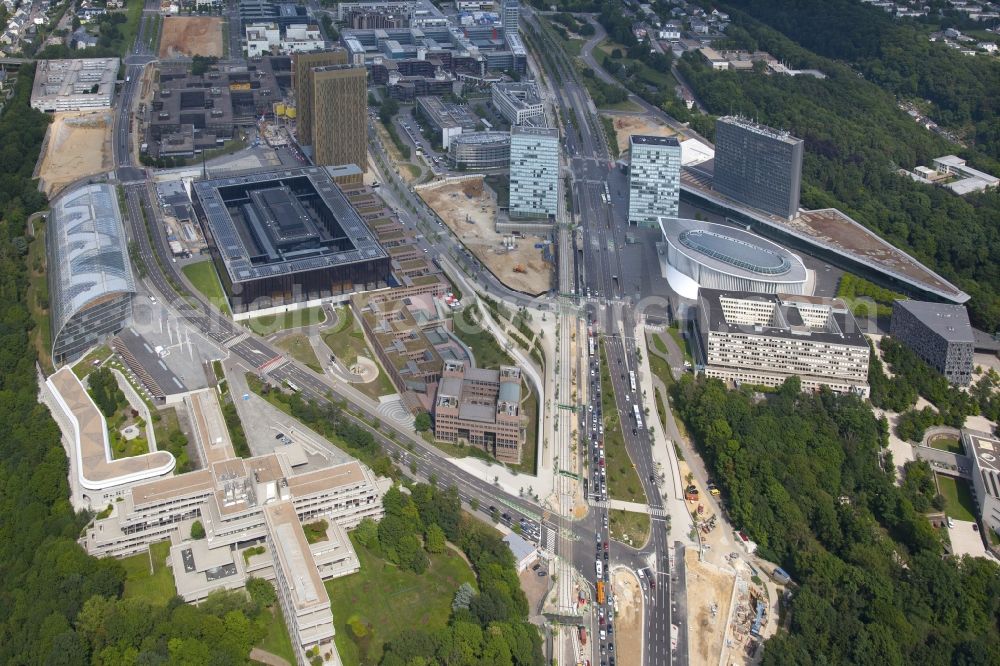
{"x": 590, "y": 164}
{"x": 608, "y": 294}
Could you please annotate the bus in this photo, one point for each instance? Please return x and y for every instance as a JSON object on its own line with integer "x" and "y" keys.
{"x": 591, "y": 344}
{"x": 291, "y": 386}
{"x": 638, "y": 417}
{"x": 600, "y": 592}
{"x": 631, "y": 379}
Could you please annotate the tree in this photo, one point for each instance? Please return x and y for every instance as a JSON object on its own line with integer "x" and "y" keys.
{"x": 367, "y": 533}
{"x": 197, "y": 530}
{"x": 434, "y": 540}
{"x": 422, "y": 422}
{"x": 261, "y": 591}
{"x": 463, "y": 597}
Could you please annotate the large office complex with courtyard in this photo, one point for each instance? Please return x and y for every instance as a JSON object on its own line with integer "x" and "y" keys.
{"x": 74, "y": 85}
{"x": 481, "y": 407}
{"x": 287, "y": 236}
{"x": 759, "y": 339}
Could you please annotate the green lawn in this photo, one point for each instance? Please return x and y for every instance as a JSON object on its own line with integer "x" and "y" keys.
{"x": 623, "y": 479}
{"x": 156, "y": 588}
{"x": 267, "y": 324}
{"x": 347, "y": 342}
{"x": 277, "y": 640}
{"x": 958, "y": 497}
{"x": 529, "y": 451}
{"x": 488, "y": 352}
{"x": 202, "y": 275}
{"x": 629, "y": 527}
{"x": 682, "y": 342}
{"x": 658, "y": 343}
{"x": 381, "y": 601}
{"x": 301, "y": 350}
{"x": 951, "y": 444}
{"x": 86, "y": 365}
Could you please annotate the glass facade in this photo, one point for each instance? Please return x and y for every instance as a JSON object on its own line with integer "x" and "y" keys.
{"x": 758, "y": 166}
{"x": 534, "y": 172}
{"x": 90, "y": 279}
{"x": 654, "y": 182}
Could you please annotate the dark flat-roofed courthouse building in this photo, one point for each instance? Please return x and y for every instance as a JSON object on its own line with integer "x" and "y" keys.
{"x": 287, "y": 236}
{"x": 939, "y": 333}
{"x": 758, "y": 166}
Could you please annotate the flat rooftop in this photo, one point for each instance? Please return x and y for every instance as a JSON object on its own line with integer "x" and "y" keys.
{"x": 295, "y": 559}
{"x": 648, "y": 140}
{"x": 327, "y": 478}
{"x": 282, "y": 222}
{"x": 762, "y": 130}
{"x": 948, "y": 320}
{"x": 830, "y": 229}
{"x": 71, "y": 78}
{"x": 786, "y": 319}
{"x": 96, "y": 467}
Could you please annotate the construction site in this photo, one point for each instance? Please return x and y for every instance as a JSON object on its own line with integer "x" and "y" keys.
{"x": 732, "y": 602}
{"x": 188, "y": 36}
{"x": 78, "y": 144}
{"x": 627, "y": 124}
{"x": 520, "y": 261}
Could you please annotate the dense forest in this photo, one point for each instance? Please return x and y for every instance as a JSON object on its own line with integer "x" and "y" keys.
{"x": 964, "y": 91}
{"x": 855, "y": 139}
{"x": 486, "y": 627}
{"x": 807, "y": 477}
{"x": 57, "y": 604}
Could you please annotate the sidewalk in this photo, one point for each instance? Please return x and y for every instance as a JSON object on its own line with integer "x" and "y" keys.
{"x": 663, "y": 452}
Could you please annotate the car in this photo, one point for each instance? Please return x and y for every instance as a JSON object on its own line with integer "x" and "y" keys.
{"x": 505, "y": 517}
{"x": 535, "y": 566}
{"x": 605, "y": 545}
{"x": 951, "y": 522}
{"x": 279, "y": 435}
{"x": 540, "y": 573}
{"x": 152, "y": 299}
{"x": 611, "y": 647}
{"x": 493, "y": 509}
{"x": 652, "y": 583}
{"x": 634, "y": 431}
{"x": 605, "y": 556}
{"x": 975, "y": 527}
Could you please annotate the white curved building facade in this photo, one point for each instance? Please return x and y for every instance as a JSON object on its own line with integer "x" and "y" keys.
{"x": 90, "y": 278}
{"x": 715, "y": 256}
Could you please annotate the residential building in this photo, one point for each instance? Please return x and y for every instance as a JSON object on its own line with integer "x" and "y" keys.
{"x": 984, "y": 451}
{"x": 74, "y": 85}
{"x": 534, "y": 172}
{"x": 90, "y": 276}
{"x": 340, "y": 118}
{"x": 654, "y": 181}
{"x": 939, "y": 333}
{"x": 519, "y": 103}
{"x": 758, "y": 166}
{"x": 481, "y": 407}
{"x": 304, "y": 65}
{"x": 445, "y": 119}
{"x": 763, "y": 339}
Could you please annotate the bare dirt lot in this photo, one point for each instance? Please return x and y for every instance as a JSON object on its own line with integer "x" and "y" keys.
{"x": 79, "y": 145}
{"x": 187, "y": 36}
{"x": 709, "y": 589}
{"x": 627, "y": 125}
{"x": 470, "y": 212}
{"x": 628, "y": 621}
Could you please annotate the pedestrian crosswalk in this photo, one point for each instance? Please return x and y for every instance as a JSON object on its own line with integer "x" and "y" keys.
{"x": 549, "y": 539}
{"x": 232, "y": 342}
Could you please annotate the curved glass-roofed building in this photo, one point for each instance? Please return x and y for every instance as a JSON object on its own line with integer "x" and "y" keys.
{"x": 90, "y": 279}
{"x": 716, "y": 256}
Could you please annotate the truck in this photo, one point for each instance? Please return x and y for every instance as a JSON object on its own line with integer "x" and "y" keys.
{"x": 583, "y": 634}
{"x": 600, "y": 592}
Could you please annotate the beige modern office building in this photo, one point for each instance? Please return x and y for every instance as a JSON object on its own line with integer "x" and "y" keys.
{"x": 304, "y": 64}
{"x": 481, "y": 407}
{"x": 764, "y": 339}
{"x": 340, "y": 126}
